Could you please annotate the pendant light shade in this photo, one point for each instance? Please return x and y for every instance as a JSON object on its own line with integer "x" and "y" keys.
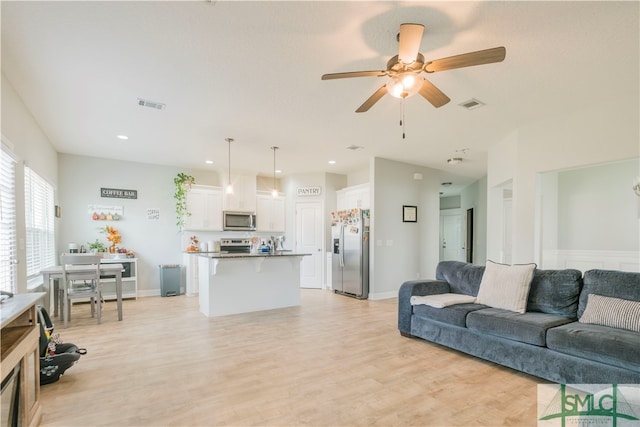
{"x": 229, "y": 185}
{"x": 274, "y": 192}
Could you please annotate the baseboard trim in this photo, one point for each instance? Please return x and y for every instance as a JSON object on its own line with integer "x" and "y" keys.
{"x": 383, "y": 295}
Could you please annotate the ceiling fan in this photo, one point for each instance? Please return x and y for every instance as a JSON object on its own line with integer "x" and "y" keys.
{"x": 405, "y": 69}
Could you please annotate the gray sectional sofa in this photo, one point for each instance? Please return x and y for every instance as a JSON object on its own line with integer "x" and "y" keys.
{"x": 547, "y": 340}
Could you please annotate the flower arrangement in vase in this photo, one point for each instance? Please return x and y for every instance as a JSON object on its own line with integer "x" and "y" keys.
{"x": 114, "y": 237}
{"x": 193, "y": 244}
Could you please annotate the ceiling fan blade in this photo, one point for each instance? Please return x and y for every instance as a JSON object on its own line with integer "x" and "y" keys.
{"x": 372, "y": 99}
{"x": 409, "y": 42}
{"x": 332, "y": 76}
{"x": 480, "y": 57}
{"x": 433, "y": 94}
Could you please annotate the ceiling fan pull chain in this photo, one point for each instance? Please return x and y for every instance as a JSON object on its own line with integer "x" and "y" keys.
{"x": 402, "y": 120}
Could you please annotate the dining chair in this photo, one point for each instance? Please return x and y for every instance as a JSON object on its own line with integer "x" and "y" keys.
{"x": 80, "y": 279}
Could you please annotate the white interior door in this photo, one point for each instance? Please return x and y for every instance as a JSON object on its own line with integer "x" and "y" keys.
{"x": 309, "y": 223}
{"x": 451, "y": 238}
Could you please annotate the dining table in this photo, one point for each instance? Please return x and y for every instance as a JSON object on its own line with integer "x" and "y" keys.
{"x": 107, "y": 270}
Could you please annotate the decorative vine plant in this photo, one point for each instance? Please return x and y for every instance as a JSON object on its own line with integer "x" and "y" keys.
{"x": 183, "y": 184}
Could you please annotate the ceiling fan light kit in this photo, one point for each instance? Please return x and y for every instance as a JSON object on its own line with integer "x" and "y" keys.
{"x": 404, "y": 85}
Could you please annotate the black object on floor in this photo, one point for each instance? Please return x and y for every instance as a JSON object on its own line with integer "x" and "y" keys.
{"x": 55, "y": 357}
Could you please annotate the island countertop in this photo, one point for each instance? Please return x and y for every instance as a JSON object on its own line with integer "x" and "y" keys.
{"x": 221, "y": 255}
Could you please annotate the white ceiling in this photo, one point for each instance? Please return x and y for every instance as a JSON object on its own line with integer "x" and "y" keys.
{"x": 251, "y": 71}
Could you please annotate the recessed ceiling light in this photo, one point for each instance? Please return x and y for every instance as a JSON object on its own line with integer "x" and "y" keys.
{"x": 278, "y": 170}
{"x": 209, "y": 162}
{"x": 354, "y": 147}
{"x": 332, "y": 162}
{"x": 123, "y": 137}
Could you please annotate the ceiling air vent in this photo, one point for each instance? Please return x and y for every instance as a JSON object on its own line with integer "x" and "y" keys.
{"x": 472, "y": 104}
{"x": 151, "y": 104}
{"x": 354, "y": 147}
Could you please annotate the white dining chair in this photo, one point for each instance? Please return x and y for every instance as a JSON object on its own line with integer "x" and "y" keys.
{"x": 80, "y": 279}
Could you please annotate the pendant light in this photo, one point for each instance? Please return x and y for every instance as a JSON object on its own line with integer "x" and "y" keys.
{"x": 274, "y": 192}
{"x": 229, "y": 185}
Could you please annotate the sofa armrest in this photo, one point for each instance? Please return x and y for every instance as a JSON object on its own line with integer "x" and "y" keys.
{"x": 411, "y": 288}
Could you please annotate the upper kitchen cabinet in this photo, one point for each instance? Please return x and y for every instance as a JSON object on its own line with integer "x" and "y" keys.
{"x": 356, "y": 196}
{"x": 205, "y": 205}
{"x": 270, "y": 213}
{"x": 244, "y": 194}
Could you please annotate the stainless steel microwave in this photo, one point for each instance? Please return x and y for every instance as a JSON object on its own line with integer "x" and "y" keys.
{"x": 239, "y": 221}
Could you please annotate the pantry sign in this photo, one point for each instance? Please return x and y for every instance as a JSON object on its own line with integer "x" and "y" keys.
{"x": 117, "y": 193}
{"x": 309, "y": 191}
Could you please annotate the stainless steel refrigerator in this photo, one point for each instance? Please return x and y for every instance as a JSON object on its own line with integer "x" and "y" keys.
{"x": 350, "y": 252}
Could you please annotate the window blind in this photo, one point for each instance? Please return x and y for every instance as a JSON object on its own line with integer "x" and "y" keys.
{"x": 8, "y": 238}
{"x": 39, "y": 214}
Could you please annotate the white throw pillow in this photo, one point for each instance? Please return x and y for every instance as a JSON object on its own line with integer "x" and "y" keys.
{"x": 614, "y": 312}
{"x": 506, "y": 286}
{"x": 441, "y": 300}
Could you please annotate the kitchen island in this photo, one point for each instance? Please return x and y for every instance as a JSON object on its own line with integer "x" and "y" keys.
{"x": 240, "y": 283}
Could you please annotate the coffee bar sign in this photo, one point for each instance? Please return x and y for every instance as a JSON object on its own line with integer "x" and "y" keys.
{"x": 309, "y": 191}
{"x": 116, "y": 193}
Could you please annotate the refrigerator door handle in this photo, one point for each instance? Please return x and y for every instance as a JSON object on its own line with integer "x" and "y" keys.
{"x": 342, "y": 245}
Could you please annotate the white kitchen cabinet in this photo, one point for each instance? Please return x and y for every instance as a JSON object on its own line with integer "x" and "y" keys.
{"x": 356, "y": 196}
{"x": 205, "y": 205}
{"x": 244, "y": 194}
{"x": 270, "y": 213}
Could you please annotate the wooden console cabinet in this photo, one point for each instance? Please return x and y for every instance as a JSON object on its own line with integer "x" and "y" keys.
{"x": 19, "y": 346}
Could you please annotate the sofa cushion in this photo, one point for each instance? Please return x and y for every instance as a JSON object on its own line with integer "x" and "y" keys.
{"x": 617, "y": 347}
{"x": 609, "y": 283}
{"x": 614, "y": 312}
{"x": 506, "y": 286}
{"x": 530, "y": 328}
{"x": 462, "y": 277}
{"x": 452, "y": 315}
{"x": 555, "y": 292}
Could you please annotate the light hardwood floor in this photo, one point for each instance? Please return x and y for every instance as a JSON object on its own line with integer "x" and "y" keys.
{"x": 332, "y": 361}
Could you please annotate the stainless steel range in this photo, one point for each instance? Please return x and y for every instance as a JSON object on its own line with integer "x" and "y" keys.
{"x": 235, "y": 246}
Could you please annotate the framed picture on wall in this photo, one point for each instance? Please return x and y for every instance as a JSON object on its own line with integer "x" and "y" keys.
{"x": 409, "y": 213}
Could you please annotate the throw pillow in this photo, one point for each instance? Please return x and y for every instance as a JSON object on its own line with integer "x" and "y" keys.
{"x": 442, "y": 300}
{"x": 615, "y": 312}
{"x": 506, "y": 286}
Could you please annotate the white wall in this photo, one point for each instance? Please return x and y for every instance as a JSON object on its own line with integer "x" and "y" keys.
{"x": 361, "y": 176}
{"x": 450, "y": 202}
{"x": 31, "y": 146}
{"x": 589, "y": 218}
{"x": 154, "y": 241}
{"x": 607, "y": 131}
{"x": 402, "y": 251}
{"x": 597, "y": 208}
